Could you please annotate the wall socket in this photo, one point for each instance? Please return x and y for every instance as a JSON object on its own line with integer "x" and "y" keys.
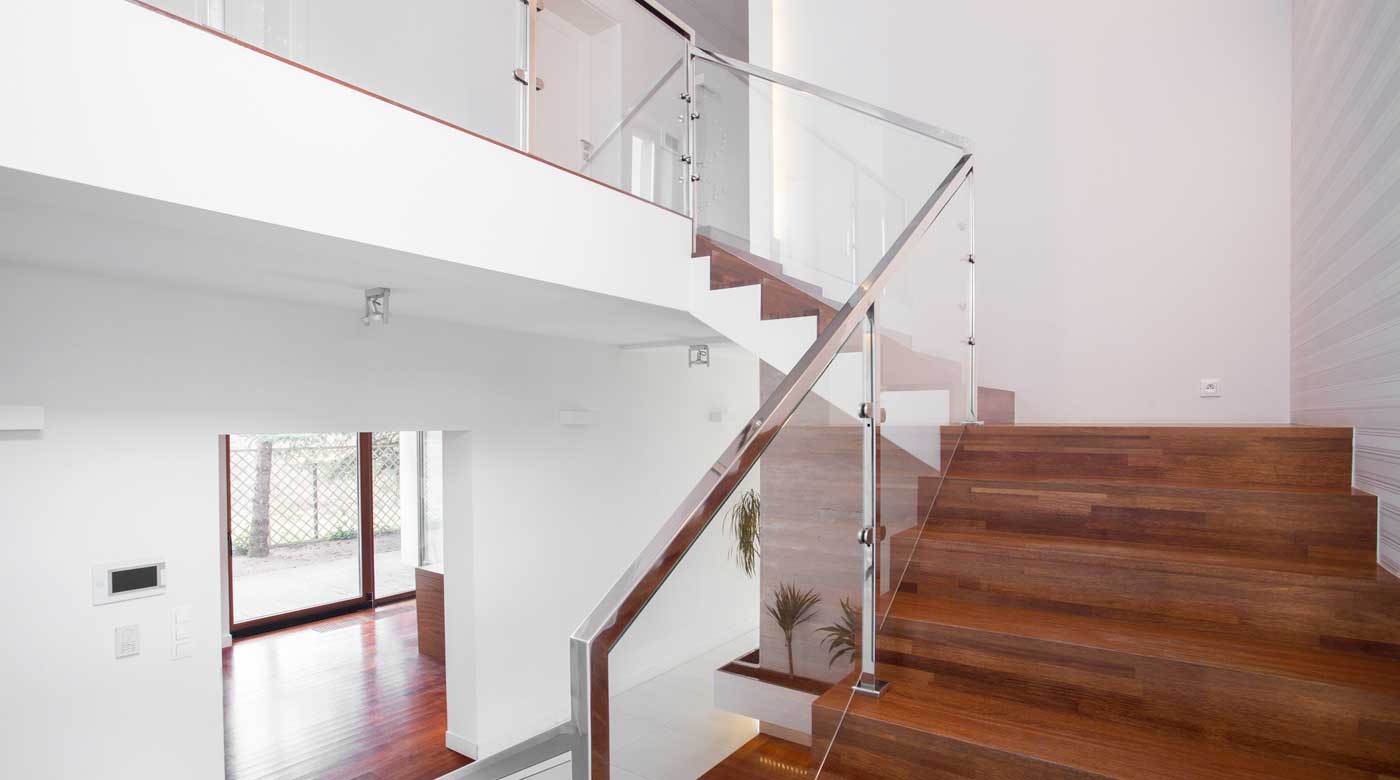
{"x": 1210, "y": 388}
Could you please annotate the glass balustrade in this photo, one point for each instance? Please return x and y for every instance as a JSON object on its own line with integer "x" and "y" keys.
{"x": 595, "y": 87}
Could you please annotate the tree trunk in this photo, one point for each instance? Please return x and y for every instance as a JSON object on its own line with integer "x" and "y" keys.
{"x": 262, "y": 499}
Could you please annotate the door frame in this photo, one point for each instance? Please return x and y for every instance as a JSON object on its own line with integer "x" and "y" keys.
{"x": 364, "y": 454}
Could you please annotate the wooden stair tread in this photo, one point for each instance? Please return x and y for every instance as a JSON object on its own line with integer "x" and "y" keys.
{"x": 1154, "y": 640}
{"x": 739, "y": 267}
{"x": 916, "y": 704}
{"x": 1180, "y": 484}
{"x": 1234, "y": 565}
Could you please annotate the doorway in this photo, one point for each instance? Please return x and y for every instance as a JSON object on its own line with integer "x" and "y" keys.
{"x": 320, "y": 524}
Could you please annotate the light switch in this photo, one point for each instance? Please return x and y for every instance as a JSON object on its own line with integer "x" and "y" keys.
{"x": 180, "y": 623}
{"x": 183, "y": 650}
{"x": 128, "y": 641}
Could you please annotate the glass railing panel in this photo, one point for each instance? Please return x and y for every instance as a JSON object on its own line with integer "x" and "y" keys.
{"x": 453, "y": 61}
{"x": 925, "y": 377}
{"x": 817, "y": 187}
{"x": 719, "y": 673}
{"x": 644, "y": 152}
{"x": 609, "y": 104}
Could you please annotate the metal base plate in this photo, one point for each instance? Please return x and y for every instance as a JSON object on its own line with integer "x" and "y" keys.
{"x": 871, "y": 687}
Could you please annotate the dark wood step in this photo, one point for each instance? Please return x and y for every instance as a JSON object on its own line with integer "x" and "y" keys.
{"x": 927, "y": 725}
{"x": 731, "y": 267}
{"x": 1238, "y": 693}
{"x": 1339, "y": 605}
{"x": 781, "y": 300}
{"x": 1237, "y": 457}
{"x": 1321, "y": 524}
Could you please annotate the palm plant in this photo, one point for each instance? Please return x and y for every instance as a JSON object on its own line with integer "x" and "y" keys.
{"x": 840, "y": 640}
{"x": 743, "y": 523}
{"x": 791, "y": 608}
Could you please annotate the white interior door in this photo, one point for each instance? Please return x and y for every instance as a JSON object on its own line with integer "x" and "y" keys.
{"x": 561, "y": 108}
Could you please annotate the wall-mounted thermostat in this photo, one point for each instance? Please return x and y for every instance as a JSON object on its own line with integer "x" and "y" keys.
{"x": 127, "y": 580}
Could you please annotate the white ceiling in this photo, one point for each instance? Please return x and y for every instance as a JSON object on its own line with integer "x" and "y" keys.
{"x": 62, "y": 224}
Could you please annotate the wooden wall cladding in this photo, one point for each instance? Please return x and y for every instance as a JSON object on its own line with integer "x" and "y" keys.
{"x": 431, "y": 614}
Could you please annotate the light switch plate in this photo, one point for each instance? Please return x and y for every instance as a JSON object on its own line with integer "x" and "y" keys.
{"x": 128, "y": 641}
{"x": 1210, "y": 388}
{"x": 182, "y": 650}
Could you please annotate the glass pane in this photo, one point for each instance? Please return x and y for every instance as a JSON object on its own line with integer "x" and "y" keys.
{"x": 294, "y": 520}
{"x": 818, "y": 188}
{"x": 643, "y": 152}
{"x": 755, "y": 629}
{"x": 924, "y": 378}
{"x": 395, "y": 541}
{"x": 431, "y": 498}
{"x": 450, "y": 60}
{"x": 610, "y": 105}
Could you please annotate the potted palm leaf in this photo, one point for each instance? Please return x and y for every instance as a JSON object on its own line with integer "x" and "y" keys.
{"x": 743, "y": 524}
{"x": 840, "y": 639}
{"x": 791, "y": 608}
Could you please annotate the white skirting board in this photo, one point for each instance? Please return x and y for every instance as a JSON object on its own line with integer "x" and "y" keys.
{"x": 21, "y": 418}
{"x": 460, "y": 744}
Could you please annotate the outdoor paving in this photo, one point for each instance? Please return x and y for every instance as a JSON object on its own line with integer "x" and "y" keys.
{"x": 293, "y": 578}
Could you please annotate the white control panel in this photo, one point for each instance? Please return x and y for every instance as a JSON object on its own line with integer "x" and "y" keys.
{"x": 128, "y": 641}
{"x": 127, "y": 580}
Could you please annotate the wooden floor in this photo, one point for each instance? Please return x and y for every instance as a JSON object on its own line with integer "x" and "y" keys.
{"x": 764, "y": 758}
{"x": 348, "y": 698}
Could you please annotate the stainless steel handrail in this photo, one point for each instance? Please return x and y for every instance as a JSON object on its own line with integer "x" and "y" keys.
{"x": 595, "y": 637}
{"x": 632, "y": 112}
{"x": 831, "y": 96}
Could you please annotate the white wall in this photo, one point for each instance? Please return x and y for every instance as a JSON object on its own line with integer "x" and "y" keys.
{"x": 111, "y": 94}
{"x": 1132, "y": 184}
{"x": 1346, "y": 237}
{"x": 607, "y": 488}
{"x": 138, "y": 380}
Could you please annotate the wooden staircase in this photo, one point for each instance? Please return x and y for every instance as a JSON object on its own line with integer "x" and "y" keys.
{"x": 1131, "y": 602}
{"x": 785, "y": 297}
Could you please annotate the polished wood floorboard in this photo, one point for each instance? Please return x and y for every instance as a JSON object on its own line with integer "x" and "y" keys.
{"x": 764, "y": 758}
{"x": 348, "y": 698}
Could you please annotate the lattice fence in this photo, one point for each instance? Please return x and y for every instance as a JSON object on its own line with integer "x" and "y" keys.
{"x": 310, "y": 487}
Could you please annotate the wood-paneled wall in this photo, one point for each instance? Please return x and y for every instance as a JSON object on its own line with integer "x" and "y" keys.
{"x": 1346, "y": 237}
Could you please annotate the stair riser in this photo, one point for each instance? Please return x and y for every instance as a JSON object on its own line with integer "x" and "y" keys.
{"x": 1275, "y": 715}
{"x": 1294, "y": 525}
{"x": 1339, "y": 614}
{"x": 1228, "y": 457}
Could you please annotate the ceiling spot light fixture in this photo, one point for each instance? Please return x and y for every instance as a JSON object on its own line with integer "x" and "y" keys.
{"x": 376, "y": 306}
{"x": 699, "y": 355}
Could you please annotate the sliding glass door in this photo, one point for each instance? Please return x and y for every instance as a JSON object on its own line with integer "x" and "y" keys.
{"x": 317, "y": 525}
{"x": 395, "y": 537}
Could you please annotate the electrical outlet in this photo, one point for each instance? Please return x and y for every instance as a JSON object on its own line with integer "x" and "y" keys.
{"x": 128, "y": 641}
{"x": 1210, "y": 388}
